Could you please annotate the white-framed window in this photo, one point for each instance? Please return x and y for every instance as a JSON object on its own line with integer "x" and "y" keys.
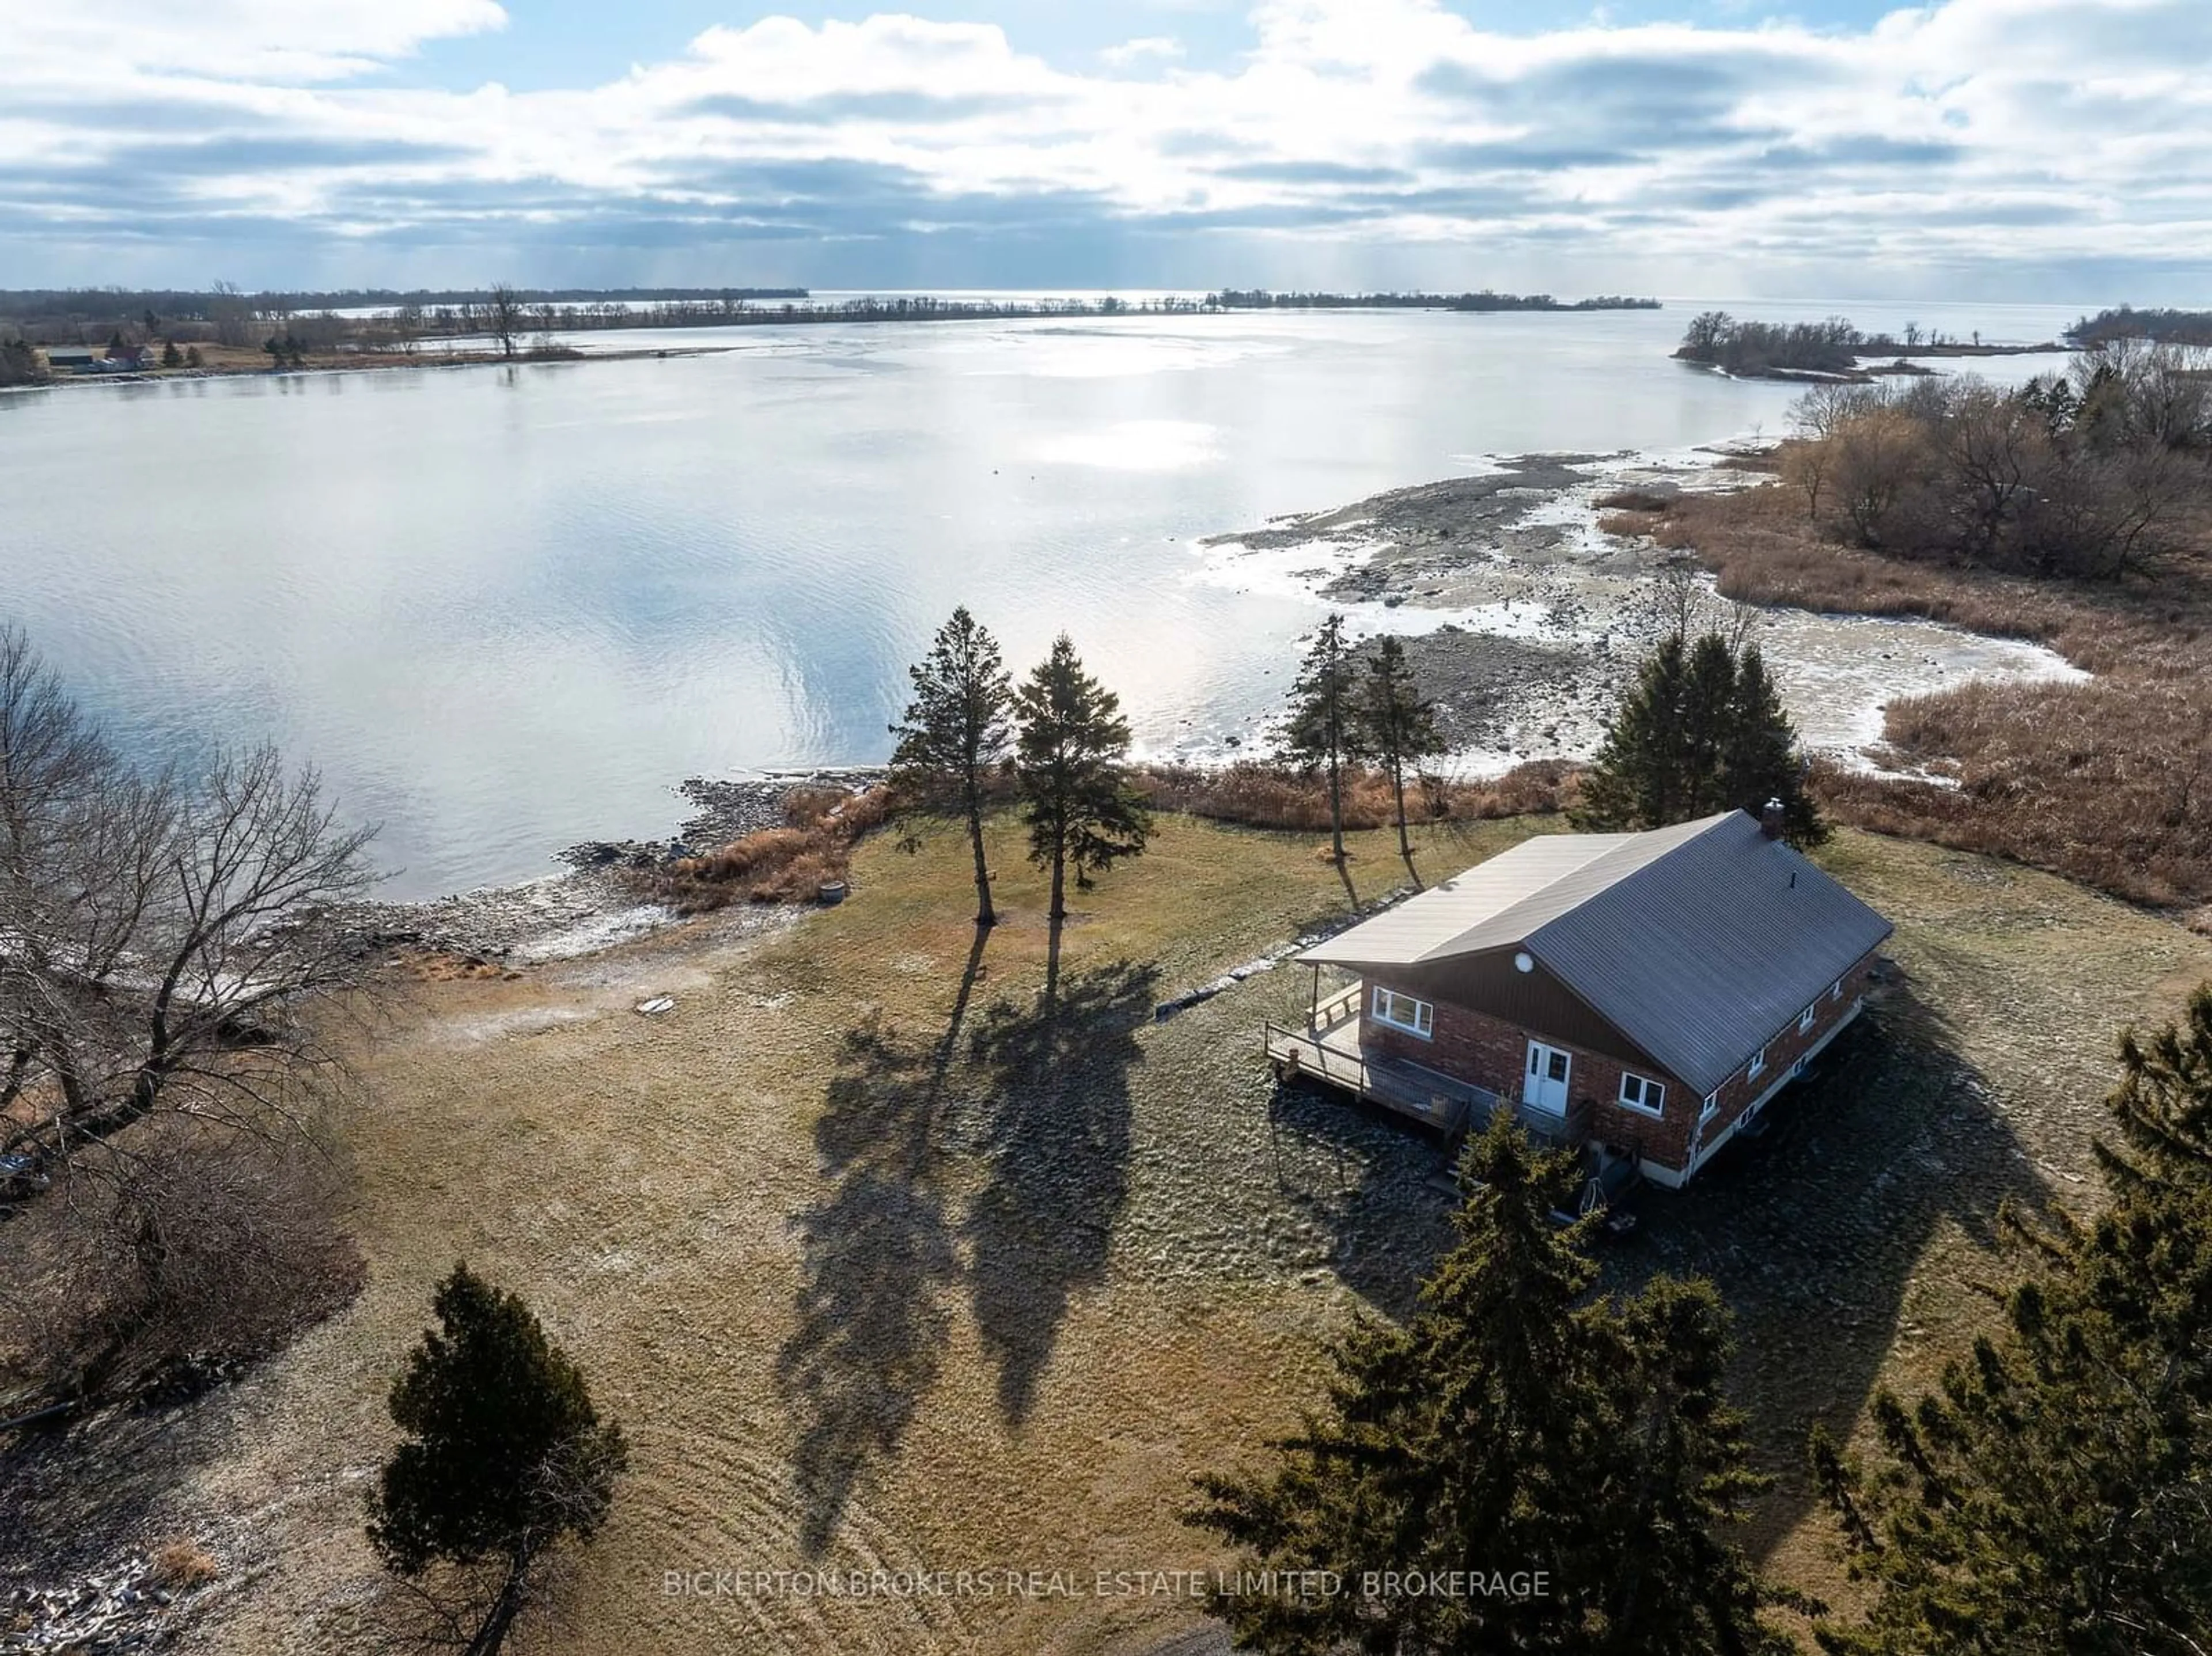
{"x": 1415, "y": 1017}
{"x": 1805, "y": 1017}
{"x": 1758, "y": 1066}
{"x": 1639, "y": 1093}
{"x": 1710, "y": 1107}
{"x": 1836, "y": 990}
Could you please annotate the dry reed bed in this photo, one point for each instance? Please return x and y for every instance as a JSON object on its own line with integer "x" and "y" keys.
{"x": 2108, "y": 782}
{"x": 821, "y": 825}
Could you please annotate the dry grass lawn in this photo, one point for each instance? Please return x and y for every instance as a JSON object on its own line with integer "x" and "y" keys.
{"x": 877, "y": 1274}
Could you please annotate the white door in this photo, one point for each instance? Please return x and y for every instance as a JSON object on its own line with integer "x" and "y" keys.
{"x": 1543, "y": 1083}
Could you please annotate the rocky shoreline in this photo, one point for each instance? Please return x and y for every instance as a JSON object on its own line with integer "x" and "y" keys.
{"x": 591, "y": 905}
{"x": 1521, "y": 617}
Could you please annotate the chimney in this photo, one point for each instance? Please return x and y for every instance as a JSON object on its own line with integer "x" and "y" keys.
{"x": 1769, "y": 820}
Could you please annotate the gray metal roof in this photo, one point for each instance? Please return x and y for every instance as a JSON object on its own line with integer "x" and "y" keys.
{"x": 1700, "y": 943}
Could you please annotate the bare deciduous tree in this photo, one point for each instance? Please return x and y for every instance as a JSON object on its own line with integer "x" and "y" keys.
{"x": 164, "y": 937}
{"x": 504, "y": 314}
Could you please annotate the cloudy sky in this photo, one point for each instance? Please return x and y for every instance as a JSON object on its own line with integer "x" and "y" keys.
{"x": 2050, "y": 149}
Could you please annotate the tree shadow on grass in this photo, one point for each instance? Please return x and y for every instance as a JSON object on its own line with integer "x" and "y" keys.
{"x": 1378, "y": 1187}
{"x": 1886, "y": 1164}
{"x": 880, "y": 1260}
{"x": 1054, "y": 1134}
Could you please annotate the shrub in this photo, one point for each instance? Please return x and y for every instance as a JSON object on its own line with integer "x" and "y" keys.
{"x": 182, "y": 1565}
{"x": 193, "y": 1251}
{"x": 1260, "y": 793}
{"x": 773, "y": 865}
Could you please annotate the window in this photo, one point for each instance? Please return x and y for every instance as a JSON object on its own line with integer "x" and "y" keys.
{"x": 1639, "y": 1094}
{"x": 1805, "y": 1017}
{"x": 1403, "y": 1012}
{"x": 1706, "y": 1110}
{"x": 1836, "y": 990}
{"x": 1758, "y": 1066}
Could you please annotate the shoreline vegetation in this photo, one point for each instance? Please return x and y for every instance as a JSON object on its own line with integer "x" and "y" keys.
{"x": 2074, "y": 512}
{"x": 165, "y": 334}
{"x": 1832, "y": 350}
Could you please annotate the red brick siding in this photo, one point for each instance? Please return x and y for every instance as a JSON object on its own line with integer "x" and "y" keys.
{"x": 1491, "y": 1052}
{"x": 1785, "y": 1049}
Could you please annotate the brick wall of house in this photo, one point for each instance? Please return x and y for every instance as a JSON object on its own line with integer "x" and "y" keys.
{"x": 1742, "y": 1089}
{"x": 1490, "y": 1051}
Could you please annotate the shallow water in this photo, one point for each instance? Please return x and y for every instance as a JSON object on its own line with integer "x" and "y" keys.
{"x": 506, "y": 608}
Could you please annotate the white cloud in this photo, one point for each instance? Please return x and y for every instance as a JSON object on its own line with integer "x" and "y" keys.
{"x": 2027, "y": 133}
{"x": 243, "y": 40}
{"x": 1150, "y": 48}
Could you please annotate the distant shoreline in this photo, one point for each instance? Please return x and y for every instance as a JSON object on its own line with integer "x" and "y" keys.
{"x": 234, "y": 332}
{"x": 1860, "y": 373}
{"x": 365, "y": 362}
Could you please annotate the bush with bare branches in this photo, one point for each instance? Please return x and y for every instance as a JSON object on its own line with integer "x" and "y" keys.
{"x": 199, "y": 1248}
{"x": 169, "y": 935}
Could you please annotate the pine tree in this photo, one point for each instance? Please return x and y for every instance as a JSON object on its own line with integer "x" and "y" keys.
{"x": 956, "y": 732}
{"x": 1701, "y": 730}
{"x": 1081, "y": 810}
{"x": 503, "y": 1454}
{"x": 1636, "y": 779}
{"x": 1398, "y": 725}
{"x": 1510, "y": 1425}
{"x": 1323, "y": 726}
{"x": 2054, "y": 1498}
{"x": 2164, "y": 1102}
{"x": 1759, "y": 759}
{"x": 1708, "y": 709}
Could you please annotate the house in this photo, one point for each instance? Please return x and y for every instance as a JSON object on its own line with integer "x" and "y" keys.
{"x": 1641, "y": 994}
{"x": 70, "y": 359}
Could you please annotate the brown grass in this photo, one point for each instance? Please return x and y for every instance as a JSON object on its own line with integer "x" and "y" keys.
{"x": 1634, "y": 499}
{"x": 1256, "y": 794}
{"x": 776, "y": 1183}
{"x": 182, "y": 1565}
{"x": 2108, "y": 781}
{"x": 787, "y": 864}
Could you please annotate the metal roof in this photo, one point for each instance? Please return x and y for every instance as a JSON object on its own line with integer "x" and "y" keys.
{"x": 1700, "y": 943}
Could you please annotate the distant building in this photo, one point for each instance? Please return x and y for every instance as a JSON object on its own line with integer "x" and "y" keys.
{"x": 121, "y": 359}
{"x": 70, "y": 359}
{"x": 1644, "y": 995}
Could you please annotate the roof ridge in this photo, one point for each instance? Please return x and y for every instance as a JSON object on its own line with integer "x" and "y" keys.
{"x": 1704, "y": 825}
{"x": 1533, "y": 893}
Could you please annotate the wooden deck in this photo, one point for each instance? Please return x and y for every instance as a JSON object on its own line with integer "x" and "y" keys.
{"x": 1328, "y": 1050}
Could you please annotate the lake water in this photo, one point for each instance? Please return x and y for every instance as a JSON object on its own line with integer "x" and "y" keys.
{"x": 506, "y": 609}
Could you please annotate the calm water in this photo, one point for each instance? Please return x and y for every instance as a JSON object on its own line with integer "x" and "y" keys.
{"x": 506, "y": 609}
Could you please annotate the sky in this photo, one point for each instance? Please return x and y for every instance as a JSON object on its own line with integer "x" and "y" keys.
{"x": 2042, "y": 150}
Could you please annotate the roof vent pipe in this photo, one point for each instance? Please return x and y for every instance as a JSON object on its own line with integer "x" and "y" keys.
{"x": 1769, "y": 820}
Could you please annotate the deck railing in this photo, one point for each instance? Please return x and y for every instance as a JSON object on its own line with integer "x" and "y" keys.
{"x": 1414, "y": 1089}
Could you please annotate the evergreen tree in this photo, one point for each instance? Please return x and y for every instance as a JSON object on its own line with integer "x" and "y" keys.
{"x": 1510, "y": 1425}
{"x": 171, "y": 356}
{"x": 1759, "y": 759}
{"x": 1398, "y": 725}
{"x": 2164, "y": 1102}
{"x": 1708, "y": 709}
{"x": 503, "y": 1454}
{"x": 1081, "y": 810}
{"x": 1701, "y": 730}
{"x": 956, "y": 732}
{"x": 1323, "y": 726}
{"x": 2054, "y": 1498}
{"x": 1636, "y": 779}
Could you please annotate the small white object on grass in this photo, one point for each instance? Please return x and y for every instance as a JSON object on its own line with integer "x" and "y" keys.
{"x": 656, "y": 1006}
